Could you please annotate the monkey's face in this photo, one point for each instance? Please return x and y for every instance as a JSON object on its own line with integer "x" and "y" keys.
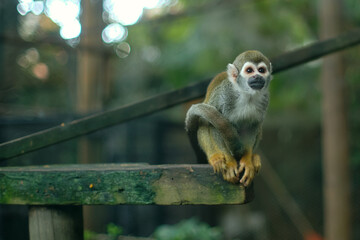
{"x": 255, "y": 75}
{"x": 252, "y": 77}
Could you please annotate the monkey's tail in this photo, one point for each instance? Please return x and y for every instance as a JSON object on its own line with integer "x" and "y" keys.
{"x": 211, "y": 115}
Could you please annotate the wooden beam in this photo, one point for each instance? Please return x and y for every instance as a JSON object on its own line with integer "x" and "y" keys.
{"x": 89, "y": 124}
{"x": 112, "y": 184}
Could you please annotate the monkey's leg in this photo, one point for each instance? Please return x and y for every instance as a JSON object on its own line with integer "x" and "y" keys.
{"x": 256, "y": 158}
{"x": 213, "y": 153}
{"x": 230, "y": 171}
{"x": 218, "y": 156}
{"x": 246, "y": 165}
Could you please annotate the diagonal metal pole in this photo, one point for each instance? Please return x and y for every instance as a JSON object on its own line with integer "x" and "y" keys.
{"x": 95, "y": 122}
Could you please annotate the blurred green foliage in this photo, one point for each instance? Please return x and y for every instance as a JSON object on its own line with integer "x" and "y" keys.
{"x": 113, "y": 230}
{"x": 183, "y": 42}
{"x": 89, "y": 235}
{"x": 190, "y": 229}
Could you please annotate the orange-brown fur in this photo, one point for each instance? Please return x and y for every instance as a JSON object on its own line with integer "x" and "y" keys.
{"x": 214, "y": 83}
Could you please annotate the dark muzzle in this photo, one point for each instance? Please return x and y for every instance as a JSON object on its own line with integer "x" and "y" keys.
{"x": 256, "y": 82}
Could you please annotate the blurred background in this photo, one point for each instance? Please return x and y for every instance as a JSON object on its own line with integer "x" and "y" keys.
{"x": 63, "y": 59}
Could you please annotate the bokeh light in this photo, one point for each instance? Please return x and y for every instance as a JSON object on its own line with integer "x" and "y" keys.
{"x": 127, "y": 12}
{"x": 71, "y": 29}
{"x": 41, "y": 71}
{"x": 65, "y": 13}
{"x": 26, "y": 6}
{"x": 123, "y": 50}
{"x": 114, "y": 32}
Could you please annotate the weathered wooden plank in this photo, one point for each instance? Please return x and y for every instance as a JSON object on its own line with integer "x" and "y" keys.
{"x": 113, "y": 184}
{"x": 99, "y": 121}
{"x": 56, "y": 223}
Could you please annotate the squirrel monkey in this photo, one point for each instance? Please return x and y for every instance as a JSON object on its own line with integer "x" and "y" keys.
{"x": 228, "y": 124}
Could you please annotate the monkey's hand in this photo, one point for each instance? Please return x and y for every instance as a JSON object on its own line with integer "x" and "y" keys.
{"x": 250, "y": 164}
{"x": 227, "y": 165}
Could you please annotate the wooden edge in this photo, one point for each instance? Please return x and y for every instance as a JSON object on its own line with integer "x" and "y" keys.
{"x": 112, "y": 184}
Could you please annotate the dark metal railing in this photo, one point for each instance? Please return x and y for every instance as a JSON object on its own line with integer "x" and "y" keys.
{"x": 95, "y": 122}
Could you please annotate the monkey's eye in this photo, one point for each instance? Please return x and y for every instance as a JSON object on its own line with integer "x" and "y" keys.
{"x": 262, "y": 70}
{"x": 249, "y": 70}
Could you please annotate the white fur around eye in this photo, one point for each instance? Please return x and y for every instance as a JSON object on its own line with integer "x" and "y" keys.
{"x": 245, "y": 67}
{"x": 263, "y": 65}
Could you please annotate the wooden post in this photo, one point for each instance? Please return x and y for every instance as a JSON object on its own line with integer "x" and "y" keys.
{"x": 336, "y": 172}
{"x": 55, "y": 223}
{"x": 90, "y": 78}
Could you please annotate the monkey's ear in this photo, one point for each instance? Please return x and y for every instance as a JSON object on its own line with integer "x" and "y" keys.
{"x": 232, "y": 72}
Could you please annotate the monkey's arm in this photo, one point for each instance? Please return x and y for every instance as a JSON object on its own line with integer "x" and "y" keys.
{"x": 256, "y": 158}
{"x": 250, "y": 162}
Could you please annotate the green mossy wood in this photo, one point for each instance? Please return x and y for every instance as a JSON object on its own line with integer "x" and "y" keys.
{"x": 111, "y": 184}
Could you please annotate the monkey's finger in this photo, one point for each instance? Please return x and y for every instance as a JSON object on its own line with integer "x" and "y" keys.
{"x": 236, "y": 170}
{"x": 248, "y": 175}
{"x": 243, "y": 179}
{"x": 248, "y": 181}
{"x": 230, "y": 174}
{"x": 220, "y": 166}
{"x": 245, "y": 176}
{"x": 233, "y": 172}
{"x": 216, "y": 168}
{"x": 242, "y": 166}
{"x": 230, "y": 177}
{"x": 250, "y": 178}
{"x": 257, "y": 163}
{"x": 236, "y": 173}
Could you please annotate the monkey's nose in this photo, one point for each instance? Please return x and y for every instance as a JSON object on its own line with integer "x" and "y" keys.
{"x": 256, "y": 82}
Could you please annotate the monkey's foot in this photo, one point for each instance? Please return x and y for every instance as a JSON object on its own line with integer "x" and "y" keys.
{"x": 217, "y": 161}
{"x": 246, "y": 165}
{"x": 226, "y": 165}
{"x": 231, "y": 172}
{"x": 257, "y": 162}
